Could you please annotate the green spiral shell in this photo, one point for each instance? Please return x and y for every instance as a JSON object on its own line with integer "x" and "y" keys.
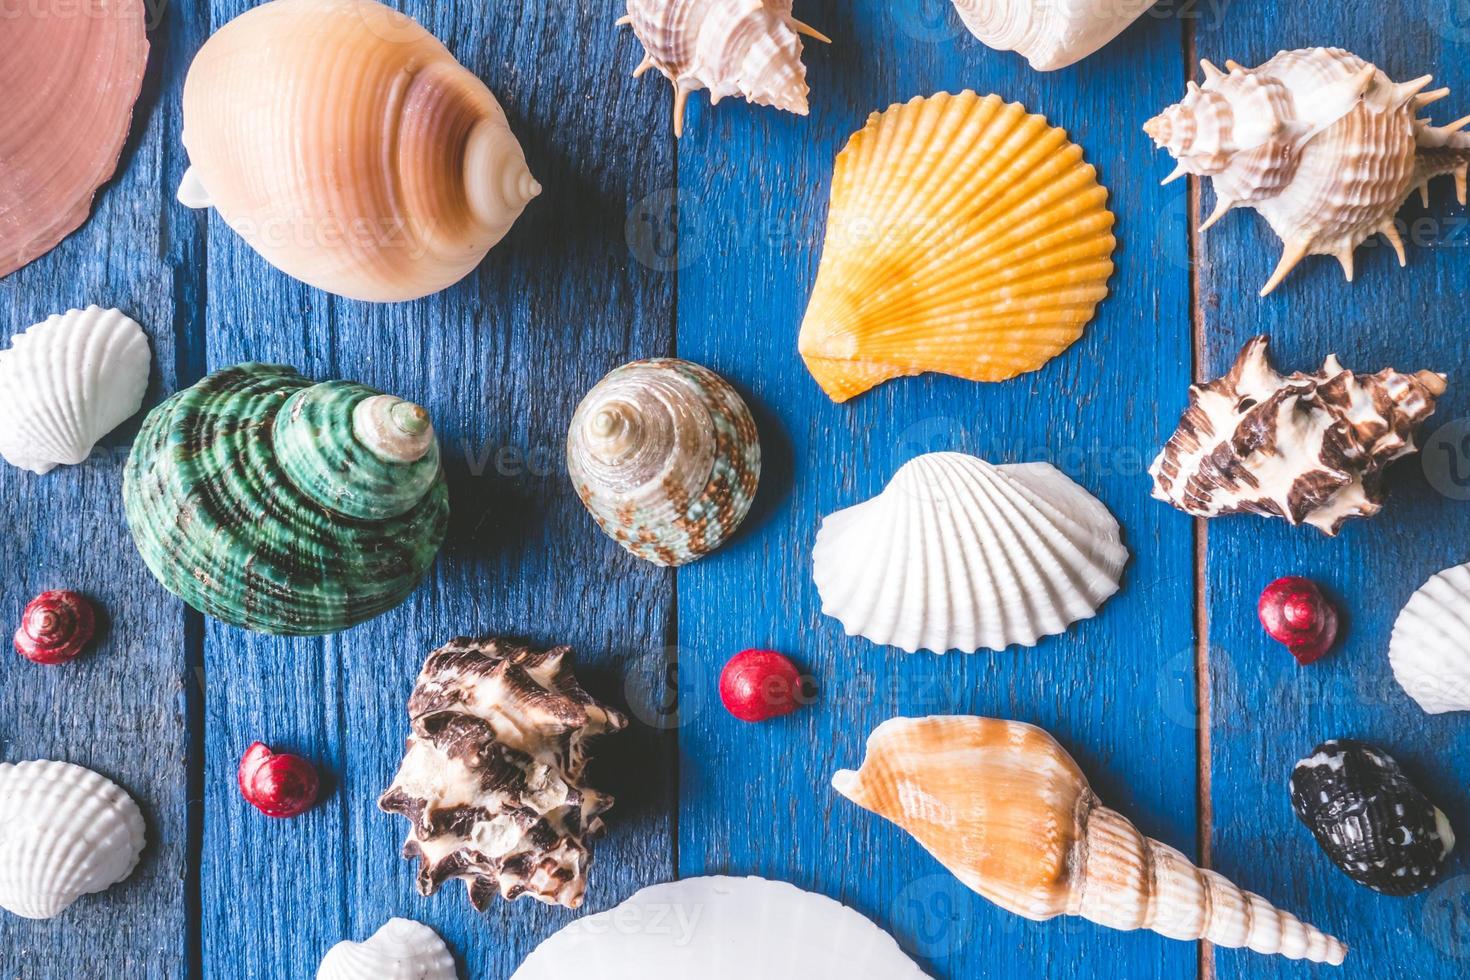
{"x": 283, "y": 506}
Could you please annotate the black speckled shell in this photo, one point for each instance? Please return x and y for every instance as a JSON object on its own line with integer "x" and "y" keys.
{"x": 1373, "y": 823}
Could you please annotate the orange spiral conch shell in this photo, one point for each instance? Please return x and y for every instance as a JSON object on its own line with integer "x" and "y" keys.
{"x": 350, "y": 149}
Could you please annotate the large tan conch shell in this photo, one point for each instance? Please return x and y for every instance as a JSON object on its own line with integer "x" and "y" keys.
{"x": 746, "y": 48}
{"x": 70, "y": 74}
{"x": 345, "y": 144}
{"x": 1051, "y": 34}
{"x": 1007, "y": 810}
{"x": 1320, "y": 142}
{"x": 965, "y": 237}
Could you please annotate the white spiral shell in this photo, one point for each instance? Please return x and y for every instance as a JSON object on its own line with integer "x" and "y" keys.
{"x": 67, "y": 382}
{"x": 65, "y": 832}
{"x": 1430, "y": 647}
{"x": 957, "y": 554}
{"x": 402, "y": 950}
{"x": 1050, "y": 34}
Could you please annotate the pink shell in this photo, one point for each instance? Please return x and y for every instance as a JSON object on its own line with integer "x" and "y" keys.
{"x": 55, "y": 627}
{"x": 70, "y": 79}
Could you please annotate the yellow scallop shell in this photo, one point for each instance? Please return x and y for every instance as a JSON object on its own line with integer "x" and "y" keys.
{"x": 966, "y": 237}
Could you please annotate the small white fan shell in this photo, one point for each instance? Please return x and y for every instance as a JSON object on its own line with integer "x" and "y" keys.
{"x": 402, "y": 950}
{"x": 67, "y": 382}
{"x": 1430, "y": 647}
{"x": 65, "y": 832}
{"x": 957, "y": 554}
{"x": 721, "y": 929}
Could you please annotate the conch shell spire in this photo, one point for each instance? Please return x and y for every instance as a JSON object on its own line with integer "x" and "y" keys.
{"x": 1007, "y": 810}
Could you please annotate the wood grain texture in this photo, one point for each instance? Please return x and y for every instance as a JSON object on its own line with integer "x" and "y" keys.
{"x": 1266, "y": 712}
{"x": 123, "y": 708}
{"x": 1116, "y": 690}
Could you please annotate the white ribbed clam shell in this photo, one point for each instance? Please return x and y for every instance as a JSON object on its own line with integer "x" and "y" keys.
{"x": 722, "y": 929}
{"x": 1430, "y": 648}
{"x": 402, "y": 950}
{"x": 957, "y": 554}
{"x": 65, "y": 832}
{"x": 1050, "y": 34}
{"x": 67, "y": 382}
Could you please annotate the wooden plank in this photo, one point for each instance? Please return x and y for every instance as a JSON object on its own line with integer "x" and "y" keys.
{"x": 1117, "y": 690}
{"x": 500, "y": 361}
{"x": 1267, "y": 713}
{"x": 125, "y": 708}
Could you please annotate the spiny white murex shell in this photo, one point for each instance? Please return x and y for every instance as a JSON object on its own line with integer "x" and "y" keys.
{"x": 67, "y": 382}
{"x": 1050, "y": 34}
{"x": 746, "y": 48}
{"x": 1324, "y": 145}
{"x": 957, "y": 554}
{"x": 349, "y": 148}
{"x": 65, "y": 832}
{"x": 1430, "y": 647}
{"x": 722, "y": 929}
{"x": 402, "y": 950}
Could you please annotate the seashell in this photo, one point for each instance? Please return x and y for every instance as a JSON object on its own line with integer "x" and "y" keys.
{"x": 1430, "y": 647}
{"x": 278, "y": 505}
{"x": 1324, "y": 145}
{"x": 1311, "y": 448}
{"x": 965, "y": 237}
{"x": 345, "y": 144}
{"x": 1009, "y": 813}
{"x": 957, "y": 554}
{"x": 492, "y": 776}
{"x": 666, "y": 457}
{"x": 746, "y": 48}
{"x": 65, "y": 832}
{"x": 1051, "y": 34}
{"x": 70, "y": 79}
{"x": 1373, "y": 823}
{"x": 67, "y": 382}
{"x": 55, "y": 627}
{"x": 690, "y": 928}
{"x": 402, "y": 950}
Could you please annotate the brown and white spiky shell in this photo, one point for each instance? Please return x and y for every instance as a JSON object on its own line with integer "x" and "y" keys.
{"x": 746, "y": 48}
{"x": 492, "y": 776}
{"x": 1311, "y": 448}
{"x": 1323, "y": 144}
{"x": 1009, "y": 813}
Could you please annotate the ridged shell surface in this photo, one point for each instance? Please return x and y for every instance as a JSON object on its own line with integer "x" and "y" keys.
{"x": 285, "y": 507}
{"x": 1374, "y": 824}
{"x": 67, "y": 382}
{"x": 965, "y": 237}
{"x": 401, "y": 950}
{"x": 1320, "y": 142}
{"x": 1050, "y": 34}
{"x": 70, "y": 74}
{"x": 350, "y": 149}
{"x": 1430, "y": 648}
{"x": 666, "y": 457}
{"x": 1004, "y": 807}
{"x": 957, "y": 554}
{"x": 722, "y": 929}
{"x": 746, "y": 48}
{"x": 65, "y": 832}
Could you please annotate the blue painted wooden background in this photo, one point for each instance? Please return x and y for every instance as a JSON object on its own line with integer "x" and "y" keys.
{"x": 1186, "y": 717}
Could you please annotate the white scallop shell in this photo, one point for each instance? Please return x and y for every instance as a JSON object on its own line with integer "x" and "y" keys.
{"x": 65, "y": 832}
{"x": 1430, "y": 647}
{"x": 67, "y": 382}
{"x": 1050, "y": 34}
{"x": 402, "y": 950}
{"x": 721, "y": 929}
{"x": 957, "y": 554}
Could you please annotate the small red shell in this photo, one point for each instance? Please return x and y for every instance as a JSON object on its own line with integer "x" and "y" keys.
{"x": 55, "y": 627}
{"x": 1296, "y": 613}
{"x": 761, "y": 684}
{"x": 277, "y": 785}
